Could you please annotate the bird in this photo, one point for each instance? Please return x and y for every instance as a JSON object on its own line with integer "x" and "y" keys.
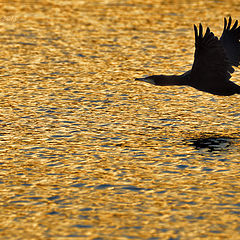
{"x": 214, "y": 59}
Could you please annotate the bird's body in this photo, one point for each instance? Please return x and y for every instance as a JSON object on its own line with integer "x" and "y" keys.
{"x": 213, "y": 61}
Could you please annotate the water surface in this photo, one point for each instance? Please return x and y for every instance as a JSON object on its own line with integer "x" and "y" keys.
{"x": 87, "y": 152}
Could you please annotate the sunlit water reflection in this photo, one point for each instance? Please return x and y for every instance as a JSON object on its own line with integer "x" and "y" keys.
{"x": 87, "y": 152}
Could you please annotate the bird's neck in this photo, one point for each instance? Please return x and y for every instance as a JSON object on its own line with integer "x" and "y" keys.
{"x": 169, "y": 80}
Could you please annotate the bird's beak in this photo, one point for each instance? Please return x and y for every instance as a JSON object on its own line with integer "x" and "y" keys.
{"x": 148, "y": 80}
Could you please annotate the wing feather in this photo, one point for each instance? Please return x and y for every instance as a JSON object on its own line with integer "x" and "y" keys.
{"x": 231, "y": 41}
{"x": 211, "y": 68}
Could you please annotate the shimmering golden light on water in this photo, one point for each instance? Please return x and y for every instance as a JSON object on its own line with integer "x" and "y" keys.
{"x": 88, "y": 153}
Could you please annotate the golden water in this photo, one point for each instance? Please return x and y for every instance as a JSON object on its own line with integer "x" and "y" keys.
{"x": 87, "y": 152}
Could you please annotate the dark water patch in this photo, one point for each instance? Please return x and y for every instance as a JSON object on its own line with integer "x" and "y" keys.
{"x": 222, "y": 160}
{"x": 68, "y": 88}
{"x": 151, "y": 46}
{"x": 48, "y": 116}
{"x": 131, "y": 237}
{"x": 194, "y": 188}
{"x": 110, "y": 45}
{"x": 82, "y": 226}
{"x": 54, "y": 164}
{"x": 56, "y": 73}
{"x": 80, "y": 55}
{"x": 192, "y": 217}
{"x": 237, "y": 205}
{"x": 186, "y": 203}
{"x": 132, "y": 188}
{"x": 140, "y": 155}
{"x": 104, "y": 186}
{"x": 76, "y": 236}
{"x": 107, "y": 146}
{"x": 212, "y": 143}
{"x": 238, "y": 228}
{"x": 116, "y": 187}
{"x": 53, "y": 198}
{"x": 34, "y": 198}
{"x": 182, "y": 166}
{"x": 174, "y": 238}
{"x": 27, "y": 43}
{"x": 61, "y": 136}
{"x": 19, "y": 174}
{"x": 206, "y": 169}
{"x": 215, "y": 231}
{"x": 235, "y": 213}
{"x": 29, "y": 154}
{"x": 78, "y": 185}
{"x": 79, "y": 167}
{"x": 85, "y": 209}
{"x": 229, "y": 195}
{"x": 67, "y": 121}
{"x": 49, "y": 77}
{"x": 161, "y": 192}
{"x": 84, "y": 217}
{"x": 53, "y": 213}
{"x": 168, "y": 171}
{"x": 26, "y": 184}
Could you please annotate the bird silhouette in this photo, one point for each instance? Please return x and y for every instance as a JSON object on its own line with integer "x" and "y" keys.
{"x": 213, "y": 62}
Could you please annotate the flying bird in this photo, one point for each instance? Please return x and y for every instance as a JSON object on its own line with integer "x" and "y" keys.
{"x": 213, "y": 62}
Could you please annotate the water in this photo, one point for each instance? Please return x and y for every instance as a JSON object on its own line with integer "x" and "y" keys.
{"x": 87, "y": 152}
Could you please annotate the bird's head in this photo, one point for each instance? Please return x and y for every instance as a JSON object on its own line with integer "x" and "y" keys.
{"x": 155, "y": 80}
{"x": 149, "y": 79}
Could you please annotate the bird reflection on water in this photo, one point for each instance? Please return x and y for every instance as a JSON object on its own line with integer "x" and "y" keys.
{"x": 211, "y": 144}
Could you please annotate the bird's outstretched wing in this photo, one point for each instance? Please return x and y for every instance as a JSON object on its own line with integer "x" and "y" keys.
{"x": 211, "y": 67}
{"x": 230, "y": 40}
